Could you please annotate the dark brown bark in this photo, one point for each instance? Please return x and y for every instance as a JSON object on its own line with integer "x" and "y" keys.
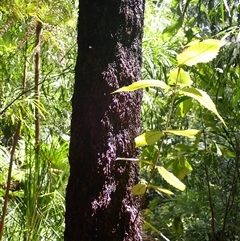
{"x": 99, "y": 204}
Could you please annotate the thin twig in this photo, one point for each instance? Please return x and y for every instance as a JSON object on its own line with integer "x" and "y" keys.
{"x": 207, "y": 177}
{"x": 4, "y": 210}
{"x": 37, "y": 87}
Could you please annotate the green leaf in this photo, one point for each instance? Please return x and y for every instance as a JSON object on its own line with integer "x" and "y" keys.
{"x": 160, "y": 189}
{"x": 171, "y": 179}
{"x": 181, "y": 168}
{"x": 190, "y": 133}
{"x": 187, "y": 148}
{"x": 142, "y": 84}
{"x": 177, "y": 224}
{"x": 199, "y": 52}
{"x": 148, "y": 138}
{"x": 151, "y": 227}
{"x": 179, "y": 77}
{"x": 203, "y": 98}
{"x": 170, "y": 30}
{"x": 197, "y": 140}
{"x": 139, "y": 189}
{"x": 185, "y": 106}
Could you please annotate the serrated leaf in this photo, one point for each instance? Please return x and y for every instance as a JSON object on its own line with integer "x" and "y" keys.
{"x": 171, "y": 179}
{"x": 199, "y": 52}
{"x": 179, "y": 77}
{"x": 142, "y": 84}
{"x": 160, "y": 189}
{"x": 139, "y": 189}
{"x": 190, "y": 133}
{"x": 203, "y": 98}
{"x": 148, "y": 138}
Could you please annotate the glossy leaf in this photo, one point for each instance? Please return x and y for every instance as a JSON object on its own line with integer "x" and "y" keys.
{"x": 199, "y": 52}
{"x": 142, "y": 84}
{"x": 148, "y": 138}
{"x": 179, "y": 77}
{"x": 171, "y": 179}
{"x": 188, "y": 133}
{"x": 203, "y": 98}
{"x": 160, "y": 189}
{"x": 139, "y": 189}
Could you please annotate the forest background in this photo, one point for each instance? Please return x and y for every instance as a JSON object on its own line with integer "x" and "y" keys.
{"x": 35, "y": 114}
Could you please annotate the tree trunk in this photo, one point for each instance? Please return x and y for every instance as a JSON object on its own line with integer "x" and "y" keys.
{"x": 99, "y": 203}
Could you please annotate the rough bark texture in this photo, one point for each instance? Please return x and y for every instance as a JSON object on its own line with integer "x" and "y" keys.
{"x": 99, "y": 204}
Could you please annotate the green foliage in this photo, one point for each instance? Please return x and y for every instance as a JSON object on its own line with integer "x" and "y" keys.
{"x": 196, "y": 53}
{"x": 190, "y": 118}
{"x": 207, "y": 163}
{"x": 36, "y": 202}
{"x": 199, "y": 52}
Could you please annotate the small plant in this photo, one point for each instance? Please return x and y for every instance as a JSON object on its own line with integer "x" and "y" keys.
{"x": 180, "y": 85}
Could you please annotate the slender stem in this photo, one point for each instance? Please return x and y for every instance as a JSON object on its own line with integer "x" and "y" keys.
{"x": 164, "y": 135}
{"x": 4, "y": 210}
{"x": 174, "y": 93}
{"x": 25, "y": 67}
{"x": 232, "y": 193}
{"x": 37, "y": 88}
{"x": 208, "y": 179}
{"x": 15, "y": 140}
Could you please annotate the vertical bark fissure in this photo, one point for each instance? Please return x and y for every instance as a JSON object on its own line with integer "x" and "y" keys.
{"x": 99, "y": 204}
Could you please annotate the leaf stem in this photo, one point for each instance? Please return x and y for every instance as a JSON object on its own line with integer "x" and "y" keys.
{"x": 164, "y": 135}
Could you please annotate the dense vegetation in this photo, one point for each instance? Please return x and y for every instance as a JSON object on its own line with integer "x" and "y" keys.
{"x": 31, "y": 104}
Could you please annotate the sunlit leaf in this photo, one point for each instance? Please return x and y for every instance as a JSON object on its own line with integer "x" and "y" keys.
{"x": 171, "y": 179}
{"x": 142, "y": 84}
{"x": 139, "y": 189}
{"x": 148, "y": 138}
{"x": 179, "y": 77}
{"x": 188, "y": 133}
{"x": 203, "y": 98}
{"x": 146, "y": 162}
{"x": 160, "y": 189}
{"x": 199, "y": 52}
{"x": 219, "y": 153}
{"x": 185, "y": 106}
{"x": 127, "y": 159}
